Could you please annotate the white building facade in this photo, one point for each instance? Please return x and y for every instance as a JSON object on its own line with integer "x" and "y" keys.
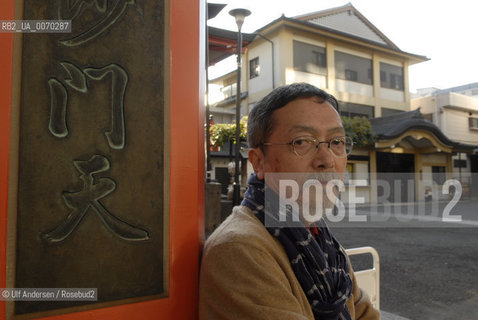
{"x": 340, "y": 51}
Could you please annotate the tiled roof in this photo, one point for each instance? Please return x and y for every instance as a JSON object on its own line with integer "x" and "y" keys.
{"x": 213, "y": 9}
{"x": 375, "y": 37}
{"x": 230, "y": 35}
{"x": 348, "y": 20}
{"x": 223, "y": 43}
{"x": 395, "y": 125}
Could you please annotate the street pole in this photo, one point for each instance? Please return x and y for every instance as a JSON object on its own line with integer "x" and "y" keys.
{"x": 239, "y": 14}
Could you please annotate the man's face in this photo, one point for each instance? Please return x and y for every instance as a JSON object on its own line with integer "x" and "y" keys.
{"x": 302, "y": 117}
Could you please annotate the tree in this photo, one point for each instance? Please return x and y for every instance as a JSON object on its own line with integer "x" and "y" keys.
{"x": 360, "y": 130}
{"x": 222, "y": 133}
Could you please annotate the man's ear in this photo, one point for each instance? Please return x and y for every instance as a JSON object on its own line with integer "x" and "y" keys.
{"x": 256, "y": 157}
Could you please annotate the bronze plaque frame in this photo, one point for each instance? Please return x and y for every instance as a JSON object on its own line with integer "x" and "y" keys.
{"x": 89, "y": 160}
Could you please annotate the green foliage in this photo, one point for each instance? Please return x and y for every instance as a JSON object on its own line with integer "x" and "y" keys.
{"x": 360, "y": 130}
{"x": 221, "y": 133}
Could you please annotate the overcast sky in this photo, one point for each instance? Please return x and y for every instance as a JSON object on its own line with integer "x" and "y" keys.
{"x": 444, "y": 31}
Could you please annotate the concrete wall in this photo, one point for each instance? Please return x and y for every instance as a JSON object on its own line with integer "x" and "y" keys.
{"x": 451, "y": 113}
{"x": 457, "y": 126}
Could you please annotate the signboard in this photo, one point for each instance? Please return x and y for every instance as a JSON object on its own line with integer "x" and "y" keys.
{"x": 92, "y": 177}
{"x": 458, "y": 163}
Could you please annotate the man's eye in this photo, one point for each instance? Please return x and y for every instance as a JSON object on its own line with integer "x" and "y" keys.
{"x": 301, "y": 142}
{"x": 337, "y": 141}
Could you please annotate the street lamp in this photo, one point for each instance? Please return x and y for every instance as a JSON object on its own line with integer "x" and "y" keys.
{"x": 239, "y": 15}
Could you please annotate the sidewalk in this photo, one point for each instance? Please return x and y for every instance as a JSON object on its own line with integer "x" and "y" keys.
{"x": 397, "y": 204}
{"x": 390, "y": 316}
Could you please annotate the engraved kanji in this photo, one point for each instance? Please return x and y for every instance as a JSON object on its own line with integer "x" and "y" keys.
{"x": 108, "y": 14}
{"x": 76, "y": 80}
{"x": 94, "y": 189}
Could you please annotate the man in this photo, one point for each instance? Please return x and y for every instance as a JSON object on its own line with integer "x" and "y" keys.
{"x": 252, "y": 270}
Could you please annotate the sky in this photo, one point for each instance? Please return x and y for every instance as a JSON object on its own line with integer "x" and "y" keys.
{"x": 443, "y": 31}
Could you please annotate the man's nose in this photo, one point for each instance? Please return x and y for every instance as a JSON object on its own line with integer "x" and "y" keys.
{"x": 323, "y": 158}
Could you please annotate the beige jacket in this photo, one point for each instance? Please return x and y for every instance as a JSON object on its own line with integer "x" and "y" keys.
{"x": 246, "y": 274}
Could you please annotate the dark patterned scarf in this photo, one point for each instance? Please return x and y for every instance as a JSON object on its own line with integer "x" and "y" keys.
{"x": 319, "y": 263}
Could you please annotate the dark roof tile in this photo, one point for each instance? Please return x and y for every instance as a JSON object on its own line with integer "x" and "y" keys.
{"x": 393, "y": 126}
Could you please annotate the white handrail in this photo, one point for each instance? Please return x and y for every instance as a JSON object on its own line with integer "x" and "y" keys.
{"x": 369, "y": 279}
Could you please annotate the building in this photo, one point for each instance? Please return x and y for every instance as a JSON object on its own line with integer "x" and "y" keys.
{"x": 411, "y": 148}
{"x": 455, "y": 112}
{"x": 342, "y": 52}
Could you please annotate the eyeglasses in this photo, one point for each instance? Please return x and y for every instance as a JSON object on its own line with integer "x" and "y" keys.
{"x": 307, "y": 146}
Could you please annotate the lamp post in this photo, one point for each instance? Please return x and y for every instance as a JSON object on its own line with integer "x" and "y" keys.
{"x": 239, "y": 15}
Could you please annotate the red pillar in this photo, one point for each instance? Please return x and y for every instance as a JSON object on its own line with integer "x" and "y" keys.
{"x": 6, "y": 60}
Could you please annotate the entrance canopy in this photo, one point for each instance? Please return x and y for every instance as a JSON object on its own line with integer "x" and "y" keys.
{"x": 406, "y": 131}
{"x": 223, "y": 43}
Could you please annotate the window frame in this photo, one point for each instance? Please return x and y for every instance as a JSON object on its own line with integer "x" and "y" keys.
{"x": 348, "y": 62}
{"x": 256, "y": 71}
{"x": 319, "y": 61}
{"x": 389, "y": 79}
{"x": 473, "y": 123}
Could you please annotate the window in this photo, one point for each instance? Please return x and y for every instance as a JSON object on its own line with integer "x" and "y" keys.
{"x": 351, "y": 75}
{"x": 474, "y": 123}
{"x": 356, "y": 110}
{"x": 353, "y": 68}
{"x": 254, "y": 68}
{"x": 391, "y": 76}
{"x": 396, "y": 81}
{"x": 309, "y": 58}
{"x": 459, "y": 163}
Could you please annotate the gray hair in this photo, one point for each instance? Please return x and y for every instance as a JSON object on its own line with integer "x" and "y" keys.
{"x": 259, "y": 124}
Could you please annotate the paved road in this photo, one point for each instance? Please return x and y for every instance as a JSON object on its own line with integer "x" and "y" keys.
{"x": 429, "y": 268}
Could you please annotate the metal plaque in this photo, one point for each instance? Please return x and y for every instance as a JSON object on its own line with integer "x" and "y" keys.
{"x": 92, "y": 174}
